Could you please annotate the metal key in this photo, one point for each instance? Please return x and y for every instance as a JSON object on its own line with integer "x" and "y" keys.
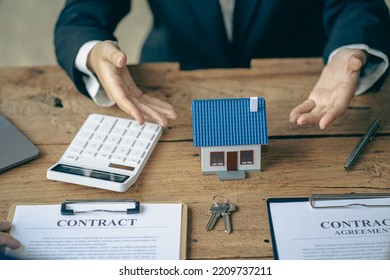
{"x": 226, "y": 217}
{"x": 216, "y": 211}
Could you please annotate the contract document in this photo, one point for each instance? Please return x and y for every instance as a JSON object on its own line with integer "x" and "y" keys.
{"x": 330, "y": 229}
{"x": 158, "y": 231}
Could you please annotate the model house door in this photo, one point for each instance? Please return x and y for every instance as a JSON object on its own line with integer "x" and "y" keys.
{"x": 231, "y": 161}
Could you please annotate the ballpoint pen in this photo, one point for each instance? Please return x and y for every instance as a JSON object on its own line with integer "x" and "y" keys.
{"x": 367, "y": 137}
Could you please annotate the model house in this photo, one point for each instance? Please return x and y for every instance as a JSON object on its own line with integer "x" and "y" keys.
{"x": 230, "y": 133}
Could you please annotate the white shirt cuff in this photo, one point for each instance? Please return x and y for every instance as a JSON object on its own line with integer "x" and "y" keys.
{"x": 92, "y": 84}
{"x": 371, "y": 71}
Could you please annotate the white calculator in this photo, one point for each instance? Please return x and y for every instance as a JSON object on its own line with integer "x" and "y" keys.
{"x": 107, "y": 152}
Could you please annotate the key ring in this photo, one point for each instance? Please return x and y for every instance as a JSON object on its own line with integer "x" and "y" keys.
{"x": 218, "y": 202}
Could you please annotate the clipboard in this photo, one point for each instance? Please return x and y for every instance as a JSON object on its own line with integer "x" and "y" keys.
{"x": 133, "y": 207}
{"x": 322, "y": 227}
{"x": 135, "y": 221}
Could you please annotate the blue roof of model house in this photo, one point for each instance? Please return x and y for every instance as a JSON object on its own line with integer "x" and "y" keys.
{"x": 228, "y": 122}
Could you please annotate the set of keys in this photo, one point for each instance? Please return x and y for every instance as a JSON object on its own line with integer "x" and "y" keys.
{"x": 221, "y": 208}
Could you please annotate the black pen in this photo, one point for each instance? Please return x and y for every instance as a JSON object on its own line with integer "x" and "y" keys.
{"x": 367, "y": 137}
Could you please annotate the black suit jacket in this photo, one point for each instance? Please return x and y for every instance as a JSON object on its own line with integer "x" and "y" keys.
{"x": 192, "y": 32}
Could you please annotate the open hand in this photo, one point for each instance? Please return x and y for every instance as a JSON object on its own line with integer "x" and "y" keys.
{"x": 333, "y": 92}
{"x": 108, "y": 63}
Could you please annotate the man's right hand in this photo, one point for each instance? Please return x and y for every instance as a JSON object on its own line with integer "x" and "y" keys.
{"x": 108, "y": 63}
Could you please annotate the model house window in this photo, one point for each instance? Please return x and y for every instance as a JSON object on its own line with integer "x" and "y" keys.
{"x": 246, "y": 157}
{"x": 217, "y": 159}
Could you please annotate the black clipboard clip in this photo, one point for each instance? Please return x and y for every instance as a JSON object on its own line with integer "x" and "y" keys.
{"x": 317, "y": 201}
{"x": 133, "y": 210}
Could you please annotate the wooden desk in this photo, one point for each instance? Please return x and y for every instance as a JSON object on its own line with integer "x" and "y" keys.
{"x": 298, "y": 161}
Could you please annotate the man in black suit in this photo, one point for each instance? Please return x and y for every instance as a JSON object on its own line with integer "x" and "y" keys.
{"x": 352, "y": 36}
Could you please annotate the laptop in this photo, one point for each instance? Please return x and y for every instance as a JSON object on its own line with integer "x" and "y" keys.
{"x": 15, "y": 148}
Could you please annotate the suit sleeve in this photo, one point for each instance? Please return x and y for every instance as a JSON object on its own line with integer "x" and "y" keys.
{"x": 357, "y": 22}
{"x": 81, "y": 21}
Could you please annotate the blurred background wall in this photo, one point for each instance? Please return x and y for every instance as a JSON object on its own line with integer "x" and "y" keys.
{"x": 27, "y": 28}
{"x": 26, "y": 31}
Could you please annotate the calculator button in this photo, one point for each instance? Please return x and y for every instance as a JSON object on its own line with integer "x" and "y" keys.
{"x": 95, "y": 118}
{"x": 141, "y": 145}
{"x": 72, "y": 157}
{"x": 117, "y": 158}
{"x": 107, "y": 148}
{"x": 132, "y": 161}
{"x": 132, "y": 133}
{"x": 93, "y": 146}
{"x": 123, "y": 123}
{"x": 118, "y": 131}
{"x": 151, "y": 127}
{"x": 74, "y": 150}
{"x": 147, "y": 136}
{"x": 79, "y": 143}
{"x": 135, "y": 153}
{"x": 99, "y": 137}
{"x": 90, "y": 126}
{"x": 127, "y": 142}
{"x": 106, "y": 125}
{"x": 85, "y": 134}
{"x": 113, "y": 139}
{"x": 136, "y": 126}
{"x": 88, "y": 153}
{"x": 123, "y": 151}
{"x": 103, "y": 155}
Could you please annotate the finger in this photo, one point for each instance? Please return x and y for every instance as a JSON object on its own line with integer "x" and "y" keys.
{"x": 354, "y": 63}
{"x": 5, "y": 225}
{"x": 327, "y": 119}
{"x": 9, "y": 241}
{"x": 312, "y": 117}
{"x": 130, "y": 108}
{"x": 118, "y": 91}
{"x": 169, "y": 114}
{"x": 305, "y": 107}
{"x": 151, "y": 107}
{"x": 139, "y": 107}
{"x": 120, "y": 59}
{"x": 111, "y": 52}
{"x": 152, "y": 114}
{"x": 131, "y": 85}
{"x": 159, "y": 106}
{"x": 119, "y": 86}
{"x": 309, "y": 118}
{"x": 357, "y": 59}
{"x": 6, "y": 239}
{"x": 158, "y": 102}
{"x": 331, "y": 115}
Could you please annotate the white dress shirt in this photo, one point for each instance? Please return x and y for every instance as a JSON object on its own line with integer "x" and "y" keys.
{"x": 370, "y": 73}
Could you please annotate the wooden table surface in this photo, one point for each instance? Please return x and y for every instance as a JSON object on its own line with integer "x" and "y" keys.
{"x": 298, "y": 161}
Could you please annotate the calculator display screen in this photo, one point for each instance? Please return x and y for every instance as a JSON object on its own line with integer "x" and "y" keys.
{"x": 91, "y": 173}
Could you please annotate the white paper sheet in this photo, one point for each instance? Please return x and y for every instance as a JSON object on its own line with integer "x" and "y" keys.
{"x": 358, "y": 232}
{"x": 155, "y": 233}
